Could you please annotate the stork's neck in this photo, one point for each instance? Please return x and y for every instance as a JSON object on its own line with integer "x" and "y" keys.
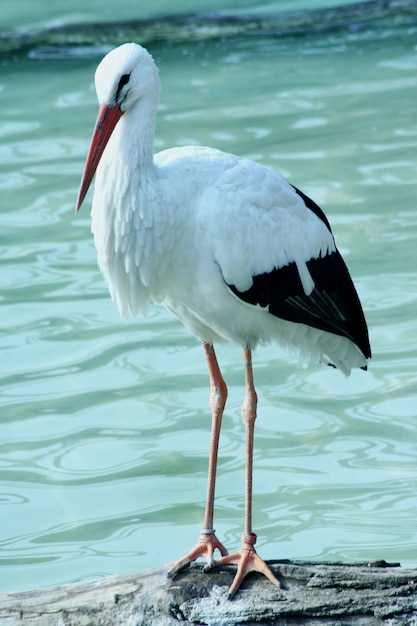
{"x": 135, "y": 136}
{"x": 126, "y": 174}
{"x": 126, "y": 198}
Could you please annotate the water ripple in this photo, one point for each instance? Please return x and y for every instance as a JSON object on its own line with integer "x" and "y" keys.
{"x": 104, "y": 427}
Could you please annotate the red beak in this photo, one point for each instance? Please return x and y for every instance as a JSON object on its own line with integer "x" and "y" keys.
{"x": 107, "y": 118}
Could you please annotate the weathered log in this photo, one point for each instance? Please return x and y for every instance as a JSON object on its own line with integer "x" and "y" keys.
{"x": 311, "y": 594}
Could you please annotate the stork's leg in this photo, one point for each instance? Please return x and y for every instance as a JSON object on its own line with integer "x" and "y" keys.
{"x": 247, "y": 559}
{"x": 208, "y": 541}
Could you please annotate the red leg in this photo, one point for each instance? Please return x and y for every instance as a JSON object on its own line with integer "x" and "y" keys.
{"x": 247, "y": 559}
{"x": 208, "y": 541}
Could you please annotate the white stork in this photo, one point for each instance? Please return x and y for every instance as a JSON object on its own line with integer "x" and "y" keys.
{"x": 229, "y": 246}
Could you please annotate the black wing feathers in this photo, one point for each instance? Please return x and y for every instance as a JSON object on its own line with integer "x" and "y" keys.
{"x": 333, "y": 305}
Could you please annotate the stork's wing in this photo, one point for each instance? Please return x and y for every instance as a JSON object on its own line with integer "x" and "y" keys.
{"x": 333, "y": 305}
{"x": 275, "y": 248}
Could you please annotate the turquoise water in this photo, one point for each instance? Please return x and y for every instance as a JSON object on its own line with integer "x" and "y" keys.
{"x": 104, "y": 426}
{"x": 42, "y": 13}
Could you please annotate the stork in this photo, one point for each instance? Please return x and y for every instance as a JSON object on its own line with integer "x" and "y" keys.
{"x": 236, "y": 252}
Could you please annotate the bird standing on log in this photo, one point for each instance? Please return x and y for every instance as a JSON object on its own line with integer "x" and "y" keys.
{"x": 228, "y": 245}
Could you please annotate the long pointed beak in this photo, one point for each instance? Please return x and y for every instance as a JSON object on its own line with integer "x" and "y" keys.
{"x": 107, "y": 118}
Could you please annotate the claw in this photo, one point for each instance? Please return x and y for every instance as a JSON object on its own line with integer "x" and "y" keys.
{"x": 206, "y": 546}
{"x": 247, "y": 560}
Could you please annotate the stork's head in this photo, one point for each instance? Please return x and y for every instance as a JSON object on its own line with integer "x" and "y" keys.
{"x": 125, "y": 75}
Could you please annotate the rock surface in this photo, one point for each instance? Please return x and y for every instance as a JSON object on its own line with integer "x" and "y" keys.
{"x": 313, "y": 594}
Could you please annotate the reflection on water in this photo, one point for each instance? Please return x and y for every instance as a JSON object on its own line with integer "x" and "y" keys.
{"x": 104, "y": 426}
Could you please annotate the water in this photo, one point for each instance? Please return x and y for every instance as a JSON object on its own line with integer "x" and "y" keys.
{"x": 27, "y": 15}
{"x": 104, "y": 426}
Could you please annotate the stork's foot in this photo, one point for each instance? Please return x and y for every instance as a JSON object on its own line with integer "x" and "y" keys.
{"x": 206, "y": 546}
{"x": 247, "y": 560}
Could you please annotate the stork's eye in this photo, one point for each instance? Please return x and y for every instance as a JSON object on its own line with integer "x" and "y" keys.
{"x": 122, "y": 82}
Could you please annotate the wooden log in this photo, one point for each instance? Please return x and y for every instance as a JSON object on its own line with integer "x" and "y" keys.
{"x": 311, "y": 594}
